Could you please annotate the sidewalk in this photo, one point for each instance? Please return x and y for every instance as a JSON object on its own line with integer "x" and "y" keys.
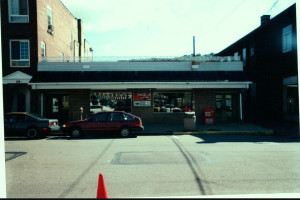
{"x": 219, "y": 128}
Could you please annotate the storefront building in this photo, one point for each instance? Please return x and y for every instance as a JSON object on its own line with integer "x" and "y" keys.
{"x": 159, "y": 91}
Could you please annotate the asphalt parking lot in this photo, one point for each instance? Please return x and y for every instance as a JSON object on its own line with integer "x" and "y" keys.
{"x": 152, "y": 166}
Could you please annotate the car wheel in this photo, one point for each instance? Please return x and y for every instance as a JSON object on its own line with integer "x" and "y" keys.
{"x": 124, "y": 132}
{"x": 32, "y": 133}
{"x": 75, "y": 133}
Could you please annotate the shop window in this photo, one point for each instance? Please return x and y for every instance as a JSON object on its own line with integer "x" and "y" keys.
{"x": 173, "y": 102}
{"x": 54, "y": 105}
{"x": 108, "y": 101}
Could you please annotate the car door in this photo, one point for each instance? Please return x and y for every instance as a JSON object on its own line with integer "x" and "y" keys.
{"x": 9, "y": 120}
{"x": 20, "y": 124}
{"x": 96, "y": 123}
{"x": 115, "y": 121}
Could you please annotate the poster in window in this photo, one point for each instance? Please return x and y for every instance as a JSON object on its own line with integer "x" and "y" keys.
{"x": 142, "y": 99}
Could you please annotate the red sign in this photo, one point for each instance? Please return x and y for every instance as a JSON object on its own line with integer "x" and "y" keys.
{"x": 142, "y": 96}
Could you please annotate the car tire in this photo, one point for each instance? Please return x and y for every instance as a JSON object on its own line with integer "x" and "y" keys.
{"x": 125, "y": 132}
{"x": 32, "y": 133}
{"x": 75, "y": 133}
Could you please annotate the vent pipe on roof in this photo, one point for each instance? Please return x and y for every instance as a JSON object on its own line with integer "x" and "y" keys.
{"x": 264, "y": 19}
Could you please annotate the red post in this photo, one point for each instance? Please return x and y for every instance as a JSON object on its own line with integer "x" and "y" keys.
{"x": 101, "y": 191}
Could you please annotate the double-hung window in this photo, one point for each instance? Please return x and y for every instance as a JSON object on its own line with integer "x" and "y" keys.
{"x": 18, "y": 11}
{"x": 49, "y": 15}
{"x": 19, "y": 53}
{"x": 43, "y": 49}
{"x": 287, "y": 39}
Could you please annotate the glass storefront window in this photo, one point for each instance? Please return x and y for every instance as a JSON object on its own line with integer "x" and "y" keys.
{"x": 107, "y": 101}
{"x": 173, "y": 102}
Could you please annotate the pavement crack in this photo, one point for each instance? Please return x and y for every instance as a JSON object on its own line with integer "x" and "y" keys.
{"x": 77, "y": 181}
{"x": 192, "y": 163}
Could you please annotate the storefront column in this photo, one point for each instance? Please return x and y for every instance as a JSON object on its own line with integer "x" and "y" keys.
{"x": 42, "y": 104}
{"x": 241, "y": 108}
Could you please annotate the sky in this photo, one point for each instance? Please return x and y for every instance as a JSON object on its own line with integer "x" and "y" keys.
{"x": 167, "y": 27}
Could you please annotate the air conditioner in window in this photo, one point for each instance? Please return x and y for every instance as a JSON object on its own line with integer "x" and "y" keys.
{"x": 51, "y": 27}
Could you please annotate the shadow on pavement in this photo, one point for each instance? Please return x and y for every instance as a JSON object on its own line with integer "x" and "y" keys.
{"x": 215, "y": 138}
{"x": 88, "y": 137}
{"x": 13, "y": 155}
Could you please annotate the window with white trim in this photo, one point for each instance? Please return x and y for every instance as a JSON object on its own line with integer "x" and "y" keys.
{"x": 287, "y": 39}
{"x": 49, "y": 15}
{"x": 19, "y": 53}
{"x": 43, "y": 49}
{"x": 18, "y": 11}
{"x": 61, "y": 57}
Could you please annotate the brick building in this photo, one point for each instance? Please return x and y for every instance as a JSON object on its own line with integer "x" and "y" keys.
{"x": 269, "y": 55}
{"x": 33, "y": 30}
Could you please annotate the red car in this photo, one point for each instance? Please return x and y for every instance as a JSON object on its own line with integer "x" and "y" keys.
{"x": 120, "y": 122}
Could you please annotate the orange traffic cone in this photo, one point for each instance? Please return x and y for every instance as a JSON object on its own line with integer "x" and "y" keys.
{"x": 101, "y": 192}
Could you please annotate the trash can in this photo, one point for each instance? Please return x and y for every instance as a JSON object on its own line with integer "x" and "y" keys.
{"x": 189, "y": 121}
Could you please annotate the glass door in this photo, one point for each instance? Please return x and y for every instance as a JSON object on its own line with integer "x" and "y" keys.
{"x": 224, "y": 107}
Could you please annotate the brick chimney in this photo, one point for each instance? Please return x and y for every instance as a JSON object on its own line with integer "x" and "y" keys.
{"x": 264, "y": 19}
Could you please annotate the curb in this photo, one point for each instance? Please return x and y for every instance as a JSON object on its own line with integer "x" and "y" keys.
{"x": 267, "y": 132}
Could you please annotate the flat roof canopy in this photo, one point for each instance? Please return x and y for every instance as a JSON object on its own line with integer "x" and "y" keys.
{"x": 139, "y": 79}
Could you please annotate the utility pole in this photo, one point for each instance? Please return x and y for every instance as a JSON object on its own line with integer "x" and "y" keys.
{"x": 194, "y": 46}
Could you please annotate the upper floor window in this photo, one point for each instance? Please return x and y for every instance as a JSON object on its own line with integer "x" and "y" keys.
{"x": 19, "y": 53}
{"x": 252, "y": 51}
{"x": 61, "y": 57}
{"x": 287, "y": 39}
{"x": 244, "y": 56}
{"x": 43, "y": 49}
{"x": 49, "y": 15}
{"x": 18, "y": 11}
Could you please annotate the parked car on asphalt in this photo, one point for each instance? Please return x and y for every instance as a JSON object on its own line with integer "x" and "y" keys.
{"x": 123, "y": 123}
{"x": 29, "y": 124}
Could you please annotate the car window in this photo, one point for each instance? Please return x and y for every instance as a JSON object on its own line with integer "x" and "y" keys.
{"x": 9, "y": 118}
{"x": 22, "y": 118}
{"x": 116, "y": 117}
{"x": 100, "y": 117}
{"x": 128, "y": 117}
{"x": 37, "y": 116}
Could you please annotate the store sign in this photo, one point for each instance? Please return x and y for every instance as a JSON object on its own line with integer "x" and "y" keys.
{"x": 142, "y": 99}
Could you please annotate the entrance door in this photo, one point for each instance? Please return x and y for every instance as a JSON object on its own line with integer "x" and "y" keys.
{"x": 224, "y": 107}
{"x": 21, "y": 103}
{"x": 57, "y": 107}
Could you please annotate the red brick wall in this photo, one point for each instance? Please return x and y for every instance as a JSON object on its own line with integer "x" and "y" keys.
{"x": 204, "y": 98}
{"x": 64, "y": 24}
{"x": 77, "y": 99}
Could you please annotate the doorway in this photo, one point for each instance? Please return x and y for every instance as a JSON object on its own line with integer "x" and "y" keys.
{"x": 225, "y": 107}
{"x": 57, "y": 107}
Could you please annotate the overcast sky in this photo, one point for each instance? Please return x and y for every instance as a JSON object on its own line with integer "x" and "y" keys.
{"x": 167, "y": 27}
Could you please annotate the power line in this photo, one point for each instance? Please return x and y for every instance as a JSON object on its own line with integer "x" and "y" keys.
{"x": 272, "y": 7}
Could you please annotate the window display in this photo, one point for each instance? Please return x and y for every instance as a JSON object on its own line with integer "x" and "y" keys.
{"x": 108, "y": 101}
{"x": 173, "y": 102}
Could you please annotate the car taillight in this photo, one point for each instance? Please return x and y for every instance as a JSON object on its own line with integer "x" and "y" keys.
{"x": 51, "y": 123}
{"x": 139, "y": 122}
